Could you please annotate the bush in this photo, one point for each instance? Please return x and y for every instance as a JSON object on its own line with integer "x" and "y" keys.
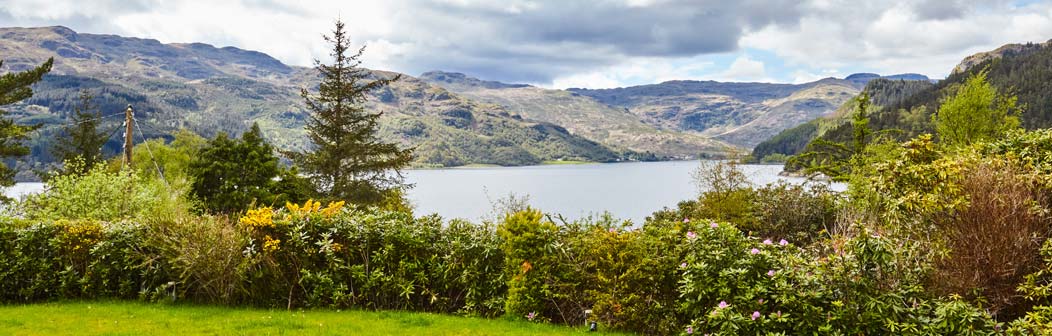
{"x": 867, "y": 285}
{"x": 102, "y": 195}
{"x": 995, "y": 239}
{"x": 79, "y": 259}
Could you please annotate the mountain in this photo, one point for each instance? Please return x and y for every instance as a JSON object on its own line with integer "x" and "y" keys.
{"x": 1023, "y": 70}
{"x": 742, "y": 114}
{"x": 580, "y": 115}
{"x": 211, "y": 90}
{"x": 1005, "y": 50}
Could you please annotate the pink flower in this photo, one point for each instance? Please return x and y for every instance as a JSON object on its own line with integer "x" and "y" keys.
{"x": 755, "y": 315}
{"x": 713, "y": 225}
{"x": 613, "y": 230}
{"x": 531, "y": 315}
{"x": 691, "y": 235}
{"x": 690, "y": 330}
{"x": 777, "y": 314}
{"x": 755, "y": 251}
{"x": 767, "y": 242}
{"x": 723, "y": 304}
{"x": 683, "y": 265}
{"x": 783, "y": 242}
{"x": 760, "y": 301}
{"x": 770, "y": 273}
{"x": 686, "y": 220}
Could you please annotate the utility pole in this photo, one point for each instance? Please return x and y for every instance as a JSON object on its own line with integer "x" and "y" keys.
{"x": 128, "y": 118}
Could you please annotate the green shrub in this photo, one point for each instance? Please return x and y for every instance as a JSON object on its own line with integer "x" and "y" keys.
{"x": 105, "y": 196}
{"x": 866, "y": 285}
{"x": 531, "y": 265}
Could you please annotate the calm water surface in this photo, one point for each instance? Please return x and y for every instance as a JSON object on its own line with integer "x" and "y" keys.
{"x": 627, "y": 190}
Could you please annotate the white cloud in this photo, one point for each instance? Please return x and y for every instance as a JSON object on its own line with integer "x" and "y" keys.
{"x": 894, "y": 38}
{"x": 592, "y": 44}
{"x": 743, "y": 69}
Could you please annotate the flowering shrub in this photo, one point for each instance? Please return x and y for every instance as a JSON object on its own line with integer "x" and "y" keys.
{"x": 866, "y": 285}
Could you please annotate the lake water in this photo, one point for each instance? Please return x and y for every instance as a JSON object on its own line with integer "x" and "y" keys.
{"x": 627, "y": 190}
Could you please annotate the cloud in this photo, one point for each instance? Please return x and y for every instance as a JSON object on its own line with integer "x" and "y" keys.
{"x": 513, "y": 40}
{"x": 744, "y": 69}
{"x": 580, "y": 43}
{"x": 890, "y": 37}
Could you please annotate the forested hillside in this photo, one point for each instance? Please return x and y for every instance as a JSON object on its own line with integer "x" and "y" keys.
{"x": 882, "y": 92}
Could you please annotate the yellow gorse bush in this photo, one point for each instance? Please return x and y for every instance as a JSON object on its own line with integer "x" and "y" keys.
{"x": 258, "y": 218}
{"x": 270, "y": 244}
{"x": 81, "y": 235}
{"x": 314, "y": 207}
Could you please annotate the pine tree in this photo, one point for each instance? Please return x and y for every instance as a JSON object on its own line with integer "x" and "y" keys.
{"x": 348, "y": 161}
{"x": 14, "y": 87}
{"x": 230, "y": 175}
{"x": 82, "y": 141}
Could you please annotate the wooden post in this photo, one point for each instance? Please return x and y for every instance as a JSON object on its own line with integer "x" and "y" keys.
{"x": 128, "y": 119}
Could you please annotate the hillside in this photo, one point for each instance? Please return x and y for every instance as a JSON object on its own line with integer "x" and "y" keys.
{"x": 211, "y": 90}
{"x": 580, "y": 115}
{"x": 882, "y": 91}
{"x": 1024, "y": 70}
{"x": 742, "y": 114}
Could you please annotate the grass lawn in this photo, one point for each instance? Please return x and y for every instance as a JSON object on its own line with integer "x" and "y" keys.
{"x": 133, "y": 318}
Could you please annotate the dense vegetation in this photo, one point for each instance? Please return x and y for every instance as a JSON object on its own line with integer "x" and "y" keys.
{"x": 1024, "y": 74}
{"x": 792, "y": 141}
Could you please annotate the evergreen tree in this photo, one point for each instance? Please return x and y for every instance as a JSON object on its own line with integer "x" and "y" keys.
{"x": 230, "y": 175}
{"x": 14, "y": 87}
{"x": 835, "y": 159}
{"x": 348, "y": 161}
{"x": 976, "y": 112}
{"x": 82, "y": 138}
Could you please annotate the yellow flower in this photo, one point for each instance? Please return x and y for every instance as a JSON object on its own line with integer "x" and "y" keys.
{"x": 270, "y": 245}
{"x": 333, "y": 209}
{"x": 258, "y": 218}
{"x": 312, "y": 206}
{"x": 336, "y": 247}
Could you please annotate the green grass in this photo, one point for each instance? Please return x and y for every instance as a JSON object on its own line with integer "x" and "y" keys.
{"x": 132, "y": 318}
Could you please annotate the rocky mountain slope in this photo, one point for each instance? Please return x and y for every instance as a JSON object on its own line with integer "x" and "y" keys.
{"x": 579, "y": 114}
{"x": 208, "y": 90}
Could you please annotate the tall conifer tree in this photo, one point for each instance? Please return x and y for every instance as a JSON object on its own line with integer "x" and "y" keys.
{"x": 14, "y": 87}
{"x": 82, "y": 138}
{"x": 348, "y": 161}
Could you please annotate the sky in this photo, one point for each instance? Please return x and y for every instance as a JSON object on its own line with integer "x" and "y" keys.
{"x": 591, "y": 44}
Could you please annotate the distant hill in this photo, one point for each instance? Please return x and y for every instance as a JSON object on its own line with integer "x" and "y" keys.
{"x": 581, "y": 115}
{"x": 742, "y": 114}
{"x": 211, "y": 90}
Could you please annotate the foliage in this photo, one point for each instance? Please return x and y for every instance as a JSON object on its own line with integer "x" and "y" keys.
{"x": 348, "y": 162}
{"x": 994, "y": 240}
{"x": 837, "y": 159}
{"x": 526, "y": 241}
{"x": 14, "y": 87}
{"x": 75, "y": 259}
{"x": 864, "y": 285}
{"x": 230, "y": 175}
{"x": 802, "y": 213}
{"x": 82, "y": 138}
{"x": 105, "y": 196}
{"x": 975, "y": 113}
